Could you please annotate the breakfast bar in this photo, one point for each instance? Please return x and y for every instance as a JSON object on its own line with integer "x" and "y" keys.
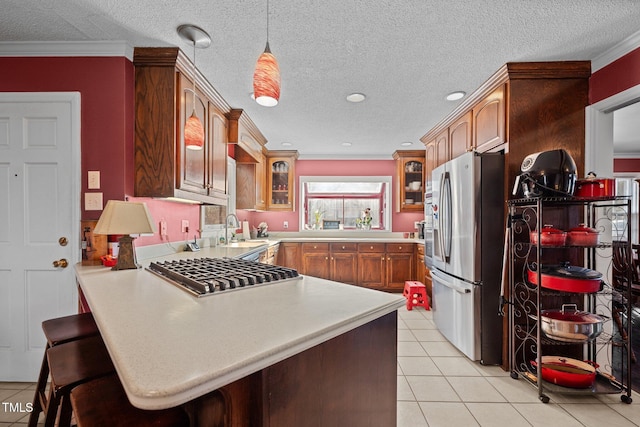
{"x": 307, "y": 351}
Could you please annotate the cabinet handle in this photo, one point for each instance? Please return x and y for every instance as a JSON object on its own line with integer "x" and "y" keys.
{"x": 327, "y": 257}
{"x": 383, "y": 258}
{"x": 399, "y": 247}
{"x": 371, "y": 247}
{"x": 315, "y": 247}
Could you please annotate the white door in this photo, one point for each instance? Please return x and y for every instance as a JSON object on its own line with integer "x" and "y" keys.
{"x": 39, "y": 206}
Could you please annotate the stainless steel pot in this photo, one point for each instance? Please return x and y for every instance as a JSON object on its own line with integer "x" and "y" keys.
{"x": 570, "y": 325}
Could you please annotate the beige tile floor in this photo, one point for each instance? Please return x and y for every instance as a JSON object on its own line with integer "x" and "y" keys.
{"x": 438, "y": 386}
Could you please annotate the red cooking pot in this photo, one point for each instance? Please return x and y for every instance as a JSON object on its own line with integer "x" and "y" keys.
{"x": 549, "y": 236}
{"x": 582, "y": 236}
{"x": 566, "y": 278}
{"x": 567, "y": 372}
{"x": 593, "y": 187}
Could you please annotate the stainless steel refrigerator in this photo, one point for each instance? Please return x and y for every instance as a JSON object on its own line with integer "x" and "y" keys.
{"x": 466, "y": 263}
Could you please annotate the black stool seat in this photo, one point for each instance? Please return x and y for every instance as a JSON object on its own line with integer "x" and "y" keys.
{"x": 103, "y": 402}
{"x": 58, "y": 331}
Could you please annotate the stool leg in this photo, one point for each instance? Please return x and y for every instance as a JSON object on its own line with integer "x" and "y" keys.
{"x": 52, "y": 408}
{"x": 40, "y": 397}
{"x": 65, "y": 410}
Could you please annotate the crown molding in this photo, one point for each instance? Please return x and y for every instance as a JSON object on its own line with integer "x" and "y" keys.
{"x": 619, "y": 50}
{"x": 66, "y": 48}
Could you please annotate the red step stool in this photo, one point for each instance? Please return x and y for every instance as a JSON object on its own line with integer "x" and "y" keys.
{"x": 416, "y": 295}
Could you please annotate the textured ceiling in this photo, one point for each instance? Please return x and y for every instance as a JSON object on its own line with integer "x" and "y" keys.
{"x": 404, "y": 55}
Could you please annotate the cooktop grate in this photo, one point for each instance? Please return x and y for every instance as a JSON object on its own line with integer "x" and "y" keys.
{"x": 209, "y": 276}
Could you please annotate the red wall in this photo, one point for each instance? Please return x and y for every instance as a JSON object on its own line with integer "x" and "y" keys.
{"x": 400, "y": 221}
{"x": 106, "y": 89}
{"x": 626, "y": 165}
{"x": 615, "y": 77}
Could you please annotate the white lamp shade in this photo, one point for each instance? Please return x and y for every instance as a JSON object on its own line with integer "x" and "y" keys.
{"x": 121, "y": 217}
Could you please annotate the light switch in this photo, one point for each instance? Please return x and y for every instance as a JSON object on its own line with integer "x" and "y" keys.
{"x": 94, "y": 180}
{"x": 93, "y": 201}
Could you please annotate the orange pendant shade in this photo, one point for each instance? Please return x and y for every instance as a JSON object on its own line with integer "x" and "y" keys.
{"x": 266, "y": 79}
{"x": 194, "y": 133}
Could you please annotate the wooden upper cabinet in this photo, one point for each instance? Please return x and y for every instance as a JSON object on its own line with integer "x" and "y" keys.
{"x": 164, "y": 100}
{"x": 218, "y": 145}
{"x": 251, "y": 161}
{"x": 442, "y": 148}
{"x": 460, "y": 135}
{"x": 410, "y": 167}
{"x": 193, "y": 163}
{"x": 430, "y": 162}
{"x": 489, "y": 120}
{"x": 281, "y": 173}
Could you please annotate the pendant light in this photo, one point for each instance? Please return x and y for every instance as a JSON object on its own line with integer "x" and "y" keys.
{"x": 266, "y": 77}
{"x": 193, "y": 129}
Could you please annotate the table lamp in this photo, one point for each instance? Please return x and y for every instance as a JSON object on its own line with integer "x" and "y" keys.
{"x": 125, "y": 218}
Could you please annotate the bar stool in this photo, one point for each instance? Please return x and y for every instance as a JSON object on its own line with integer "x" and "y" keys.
{"x": 71, "y": 364}
{"x": 58, "y": 331}
{"x": 416, "y": 295}
{"x": 103, "y": 402}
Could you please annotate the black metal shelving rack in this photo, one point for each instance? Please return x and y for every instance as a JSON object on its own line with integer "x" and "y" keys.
{"x": 526, "y": 340}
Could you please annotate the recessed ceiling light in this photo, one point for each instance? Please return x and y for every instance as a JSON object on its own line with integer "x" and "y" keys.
{"x": 286, "y": 144}
{"x": 356, "y": 97}
{"x": 454, "y": 96}
{"x": 346, "y": 144}
{"x": 406, "y": 144}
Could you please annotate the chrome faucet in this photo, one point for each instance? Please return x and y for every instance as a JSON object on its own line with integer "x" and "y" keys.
{"x": 226, "y": 226}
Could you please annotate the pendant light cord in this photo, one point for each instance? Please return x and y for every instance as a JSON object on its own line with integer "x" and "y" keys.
{"x": 194, "y": 75}
{"x": 267, "y": 21}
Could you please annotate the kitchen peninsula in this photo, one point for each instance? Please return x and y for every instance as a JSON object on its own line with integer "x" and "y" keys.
{"x": 296, "y": 352}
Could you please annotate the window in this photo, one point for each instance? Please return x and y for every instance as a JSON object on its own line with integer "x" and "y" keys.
{"x": 345, "y": 199}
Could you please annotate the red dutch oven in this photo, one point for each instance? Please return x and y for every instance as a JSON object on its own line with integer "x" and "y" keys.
{"x": 567, "y": 278}
{"x": 593, "y": 187}
{"x": 549, "y": 236}
{"x": 567, "y": 372}
{"x": 582, "y": 236}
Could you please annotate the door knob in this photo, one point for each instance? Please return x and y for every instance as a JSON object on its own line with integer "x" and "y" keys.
{"x": 63, "y": 241}
{"x": 61, "y": 263}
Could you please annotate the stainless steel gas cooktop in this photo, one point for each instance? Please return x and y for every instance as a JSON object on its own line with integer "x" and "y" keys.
{"x": 209, "y": 276}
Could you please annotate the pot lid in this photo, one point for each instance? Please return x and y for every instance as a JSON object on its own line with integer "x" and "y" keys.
{"x": 570, "y": 271}
{"x": 582, "y": 228}
{"x": 550, "y": 229}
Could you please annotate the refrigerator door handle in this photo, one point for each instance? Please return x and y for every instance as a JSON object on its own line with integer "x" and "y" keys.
{"x": 446, "y": 215}
{"x": 443, "y": 280}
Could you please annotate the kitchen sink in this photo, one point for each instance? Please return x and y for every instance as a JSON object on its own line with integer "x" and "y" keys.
{"x": 246, "y": 244}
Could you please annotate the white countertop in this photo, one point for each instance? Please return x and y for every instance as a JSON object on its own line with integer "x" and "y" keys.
{"x": 170, "y": 347}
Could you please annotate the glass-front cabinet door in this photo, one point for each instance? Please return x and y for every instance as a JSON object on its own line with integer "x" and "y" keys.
{"x": 281, "y": 180}
{"x": 410, "y": 166}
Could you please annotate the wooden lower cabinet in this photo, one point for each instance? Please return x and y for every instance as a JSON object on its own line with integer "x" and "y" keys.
{"x": 288, "y": 255}
{"x": 400, "y": 265}
{"x": 382, "y": 266}
{"x": 344, "y": 263}
{"x": 336, "y": 383}
{"x": 372, "y": 262}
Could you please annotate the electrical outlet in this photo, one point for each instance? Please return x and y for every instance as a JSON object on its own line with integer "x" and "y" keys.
{"x": 415, "y": 225}
{"x": 286, "y": 225}
{"x": 163, "y": 228}
{"x": 185, "y": 226}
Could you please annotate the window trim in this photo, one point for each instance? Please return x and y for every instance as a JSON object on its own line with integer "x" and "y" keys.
{"x": 387, "y": 207}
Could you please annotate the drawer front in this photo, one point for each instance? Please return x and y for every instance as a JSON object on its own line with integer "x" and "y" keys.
{"x": 371, "y": 247}
{"x": 343, "y": 247}
{"x": 400, "y": 247}
{"x": 315, "y": 247}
